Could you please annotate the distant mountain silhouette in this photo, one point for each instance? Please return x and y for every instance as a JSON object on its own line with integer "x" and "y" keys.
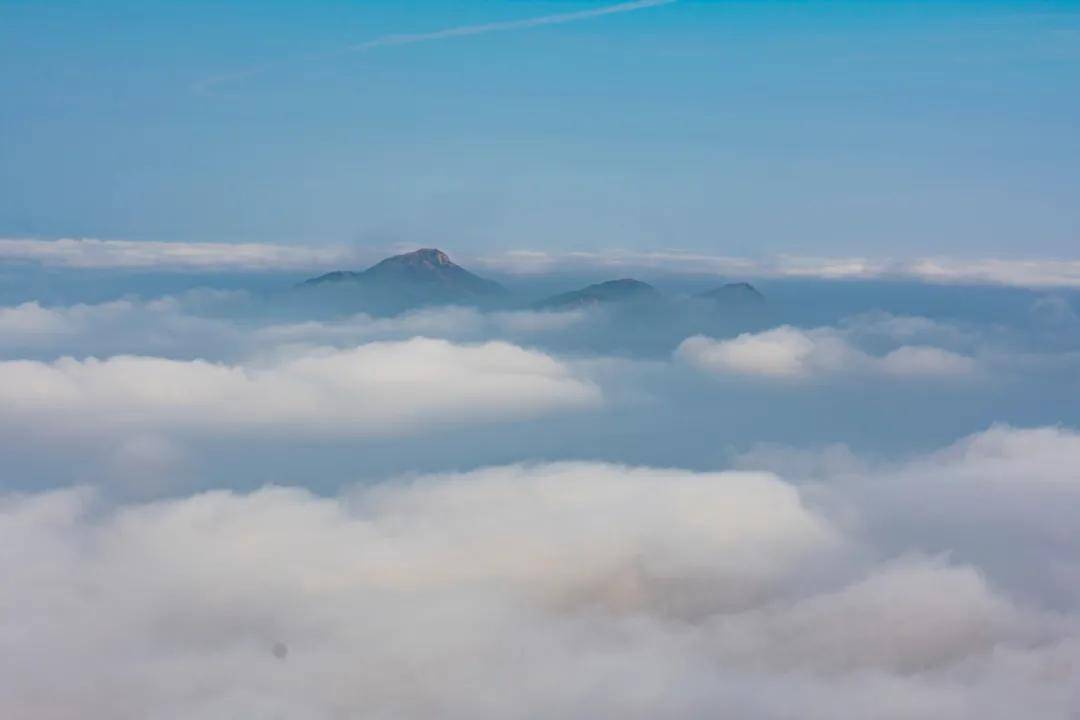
{"x": 612, "y": 291}
{"x": 635, "y": 311}
{"x": 735, "y": 295}
{"x": 415, "y": 279}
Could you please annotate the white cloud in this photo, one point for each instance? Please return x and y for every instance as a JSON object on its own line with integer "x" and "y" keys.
{"x": 211, "y": 323}
{"x": 530, "y": 262}
{"x": 971, "y": 271}
{"x": 458, "y": 323}
{"x": 373, "y": 389}
{"x": 921, "y": 361}
{"x": 794, "y": 354}
{"x": 575, "y": 590}
{"x": 907, "y": 616}
{"x": 95, "y": 253}
{"x": 997, "y": 271}
{"x": 1006, "y": 499}
{"x": 164, "y": 325}
{"x": 784, "y": 352}
{"x": 30, "y": 321}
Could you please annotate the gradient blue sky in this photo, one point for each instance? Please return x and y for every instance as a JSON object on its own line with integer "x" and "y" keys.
{"x": 745, "y": 128}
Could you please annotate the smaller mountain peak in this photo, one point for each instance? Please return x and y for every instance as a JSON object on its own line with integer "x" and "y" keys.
{"x": 626, "y": 284}
{"x": 623, "y": 290}
{"x": 330, "y": 278}
{"x": 741, "y": 293}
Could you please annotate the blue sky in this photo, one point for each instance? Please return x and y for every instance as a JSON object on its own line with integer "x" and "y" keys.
{"x": 745, "y": 128}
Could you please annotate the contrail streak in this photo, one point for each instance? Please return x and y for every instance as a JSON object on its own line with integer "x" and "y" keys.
{"x": 465, "y": 30}
{"x": 447, "y": 33}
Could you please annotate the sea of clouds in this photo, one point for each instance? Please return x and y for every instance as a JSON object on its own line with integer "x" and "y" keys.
{"x": 211, "y": 510}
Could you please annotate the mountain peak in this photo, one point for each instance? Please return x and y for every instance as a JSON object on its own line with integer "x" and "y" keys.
{"x": 423, "y": 256}
{"x": 425, "y": 265}
{"x": 623, "y": 290}
{"x": 624, "y": 285}
{"x": 421, "y": 277}
{"x": 739, "y": 293}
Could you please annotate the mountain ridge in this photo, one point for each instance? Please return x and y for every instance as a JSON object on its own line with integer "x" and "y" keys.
{"x": 428, "y": 277}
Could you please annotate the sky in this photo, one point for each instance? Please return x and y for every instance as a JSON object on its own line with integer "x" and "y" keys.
{"x": 874, "y": 129}
{"x": 851, "y": 492}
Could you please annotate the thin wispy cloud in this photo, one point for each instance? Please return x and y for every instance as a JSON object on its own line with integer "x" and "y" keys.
{"x": 467, "y": 30}
{"x": 449, "y": 33}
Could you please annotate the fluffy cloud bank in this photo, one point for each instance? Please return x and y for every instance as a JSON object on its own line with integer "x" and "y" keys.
{"x": 567, "y": 590}
{"x": 373, "y": 389}
{"x": 792, "y": 353}
{"x": 1006, "y": 499}
{"x": 164, "y": 325}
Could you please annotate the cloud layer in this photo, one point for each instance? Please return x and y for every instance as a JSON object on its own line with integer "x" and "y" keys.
{"x": 1016, "y": 272}
{"x": 415, "y": 571}
{"x": 373, "y": 389}
{"x": 564, "y": 590}
{"x": 790, "y": 353}
{"x": 224, "y": 325}
{"x": 96, "y": 253}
